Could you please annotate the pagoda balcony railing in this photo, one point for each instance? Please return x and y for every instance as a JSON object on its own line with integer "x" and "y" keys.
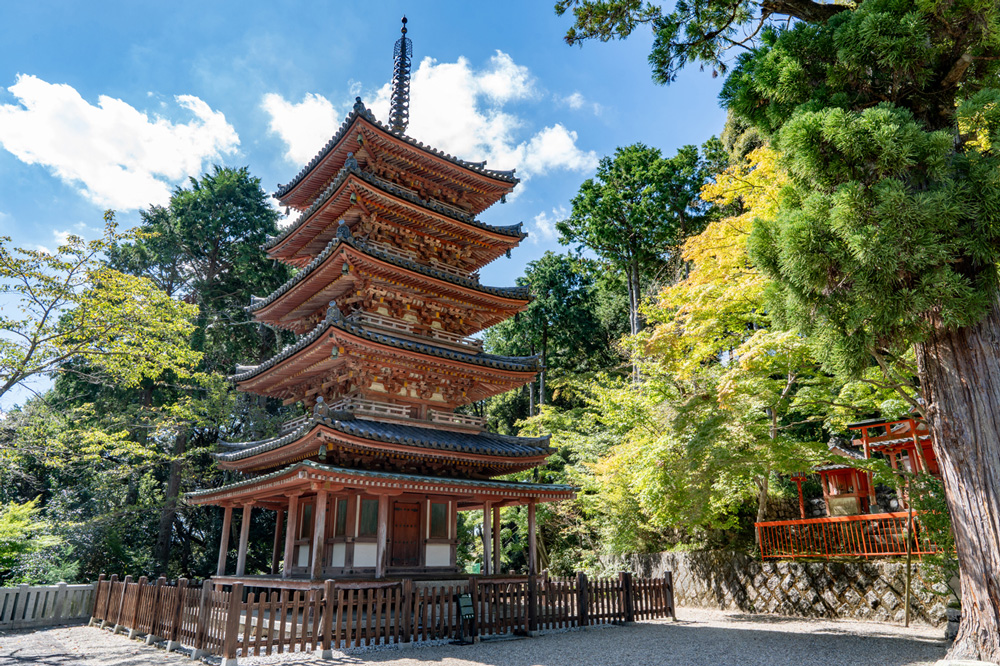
{"x": 371, "y": 408}
{"x": 393, "y": 251}
{"x": 866, "y": 535}
{"x": 451, "y": 270}
{"x": 456, "y": 419}
{"x": 393, "y": 324}
{"x": 289, "y": 426}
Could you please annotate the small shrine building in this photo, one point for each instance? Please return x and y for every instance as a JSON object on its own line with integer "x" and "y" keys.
{"x": 385, "y": 305}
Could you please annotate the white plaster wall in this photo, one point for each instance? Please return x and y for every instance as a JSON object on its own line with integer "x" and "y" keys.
{"x": 339, "y": 555}
{"x": 438, "y": 555}
{"x": 303, "y": 560}
{"x": 364, "y": 554}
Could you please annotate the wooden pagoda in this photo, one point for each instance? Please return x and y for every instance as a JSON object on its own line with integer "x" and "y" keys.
{"x": 385, "y": 303}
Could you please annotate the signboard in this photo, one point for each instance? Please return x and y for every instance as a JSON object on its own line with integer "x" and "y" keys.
{"x": 465, "y": 610}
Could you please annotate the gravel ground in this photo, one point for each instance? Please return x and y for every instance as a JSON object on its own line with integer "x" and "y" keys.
{"x": 700, "y": 637}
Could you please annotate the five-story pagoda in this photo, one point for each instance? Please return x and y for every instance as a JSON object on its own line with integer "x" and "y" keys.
{"x": 385, "y": 302}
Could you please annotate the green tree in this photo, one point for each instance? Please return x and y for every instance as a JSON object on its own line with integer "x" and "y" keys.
{"x": 71, "y": 305}
{"x": 885, "y": 115}
{"x": 22, "y": 532}
{"x": 638, "y": 209}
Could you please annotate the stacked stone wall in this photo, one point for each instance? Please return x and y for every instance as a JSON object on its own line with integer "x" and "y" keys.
{"x": 872, "y": 590}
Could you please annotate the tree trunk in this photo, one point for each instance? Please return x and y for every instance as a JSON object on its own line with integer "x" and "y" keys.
{"x": 541, "y": 375}
{"x": 960, "y": 375}
{"x": 762, "y": 487}
{"x": 169, "y": 510}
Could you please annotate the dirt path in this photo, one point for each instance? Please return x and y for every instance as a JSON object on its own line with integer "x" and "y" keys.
{"x": 700, "y": 637}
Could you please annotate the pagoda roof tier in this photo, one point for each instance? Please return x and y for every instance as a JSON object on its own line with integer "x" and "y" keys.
{"x": 353, "y": 189}
{"x": 347, "y": 438}
{"x": 371, "y": 141}
{"x": 338, "y": 350}
{"x": 297, "y": 304}
{"x": 309, "y": 475}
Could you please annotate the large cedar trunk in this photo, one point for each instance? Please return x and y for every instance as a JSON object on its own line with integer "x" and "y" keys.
{"x": 960, "y": 374}
{"x": 169, "y": 511}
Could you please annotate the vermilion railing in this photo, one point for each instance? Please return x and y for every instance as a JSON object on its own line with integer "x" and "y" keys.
{"x": 870, "y": 535}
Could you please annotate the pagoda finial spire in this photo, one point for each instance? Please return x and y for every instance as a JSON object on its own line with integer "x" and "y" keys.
{"x": 399, "y": 113}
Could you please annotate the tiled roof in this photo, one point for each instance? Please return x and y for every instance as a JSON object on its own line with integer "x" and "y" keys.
{"x": 334, "y": 319}
{"x": 391, "y": 476}
{"x": 360, "y": 110}
{"x": 484, "y": 443}
{"x": 504, "y": 292}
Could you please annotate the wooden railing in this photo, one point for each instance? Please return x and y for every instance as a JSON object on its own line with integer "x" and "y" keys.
{"x": 27, "y": 606}
{"x": 348, "y": 614}
{"x": 371, "y": 407}
{"x": 456, "y": 419}
{"x": 871, "y": 535}
{"x": 289, "y": 426}
{"x": 398, "y": 325}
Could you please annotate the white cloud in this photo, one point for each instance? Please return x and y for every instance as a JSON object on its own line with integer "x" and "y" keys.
{"x": 574, "y": 101}
{"x": 61, "y": 237}
{"x": 544, "y": 225}
{"x": 305, "y": 127}
{"x": 457, "y": 109}
{"x": 42, "y": 248}
{"x": 116, "y": 155}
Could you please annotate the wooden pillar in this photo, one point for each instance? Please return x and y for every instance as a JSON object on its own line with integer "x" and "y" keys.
{"x": 532, "y": 545}
{"x": 290, "y": 533}
{"x": 487, "y": 538}
{"x": 381, "y": 536}
{"x": 319, "y": 534}
{"x": 227, "y": 521}
{"x": 241, "y": 558}
{"x": 802, "y": 501}
{"x": 496, "y": 540}
{"x": 279, "y": 519}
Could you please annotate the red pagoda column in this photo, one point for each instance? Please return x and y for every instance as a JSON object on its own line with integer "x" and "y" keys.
{"x": 227, "y": 521}
{"x": 293, "y": 522}
{"x": 241, "y": 559}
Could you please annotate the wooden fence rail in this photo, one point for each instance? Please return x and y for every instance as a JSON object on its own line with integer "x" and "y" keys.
{"x": 27, "y": 606}
{"x": 866, "y": 535}
{"x": 350, "y": 614}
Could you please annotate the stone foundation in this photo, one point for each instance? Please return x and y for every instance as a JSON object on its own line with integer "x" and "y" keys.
{"x": 872, "y": 590}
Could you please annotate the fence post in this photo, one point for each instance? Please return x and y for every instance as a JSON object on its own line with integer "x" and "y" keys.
{"x": 154, "y": 625}
{"x": 135, "y": 607}
{"x": 474, "y": 595}
{"x": 60, "y": 601}
{"x": 173, "y": 642}
{"x": 628, "y": 601}
{"x": 204, "y": 617}
{"x": 328, "y": 602}
{"x": 19, "y": 605}
{"x": 97, "y": 593}
{"x": 407, "y": 610}
{"x": 107, "y": 601}
{"x": 121, "y": 605}
{"x": 582, "y": 600}
{"x": 532, "y": 605}
{"x": 669, "y": 584}
{"x": 232, "y": 635}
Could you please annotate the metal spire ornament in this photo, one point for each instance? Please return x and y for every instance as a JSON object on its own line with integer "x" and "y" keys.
{"x": 399, "y": 105}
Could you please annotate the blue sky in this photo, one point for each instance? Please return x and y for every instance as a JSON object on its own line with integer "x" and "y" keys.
{"x": 112, "y": 104}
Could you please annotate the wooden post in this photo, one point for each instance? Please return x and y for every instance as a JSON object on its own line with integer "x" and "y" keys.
{"x": 121, "y": 605}
{"x": 669, "y": 579}
{"x": 802, "y": 501}
{"x": 582, "y": 599}
{"x": 107, "y": 601}
{"x": 154, "y": 629}
{"x": 241, "y": 558}
{"x": 628, "y": 601}
{"x": 909, "y": 559}
{"x": 328, "y": 601}
{"x": 496, "y": 540}
{"x": 279, "y": 519}
{"x": 532, "y": 604}
{"x": 407, "y": 610}
{"x": 319, "y": 534}
{"x": 231, "y": 638}
{"x": 532, "y": 545}
{"x": 204, "y": 617}
{"x": 381, "y": 536}
{"x": 487, "y": 538}
{"x": 474, "y": 595}
{"x": 174, "y": 640}
{"x": 135, "y": 608}
{"x": 227, "y": 521}
{"x": 61, "y": 600}
{"x": 97, "y": 592}
{"x": 290, "y": 533}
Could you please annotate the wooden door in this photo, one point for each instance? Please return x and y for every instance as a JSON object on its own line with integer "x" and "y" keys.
{"x": 405, "y": 534}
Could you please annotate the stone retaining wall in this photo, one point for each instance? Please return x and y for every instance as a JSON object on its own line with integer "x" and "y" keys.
{"x": 872, "y": 590}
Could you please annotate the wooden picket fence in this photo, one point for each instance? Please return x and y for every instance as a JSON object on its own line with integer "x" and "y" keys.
{"x": 27, "y": 606}
{"x": 351, "y": 614}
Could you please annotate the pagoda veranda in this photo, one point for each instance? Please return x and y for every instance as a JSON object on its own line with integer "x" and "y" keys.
{"x": 387, "y": 296}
